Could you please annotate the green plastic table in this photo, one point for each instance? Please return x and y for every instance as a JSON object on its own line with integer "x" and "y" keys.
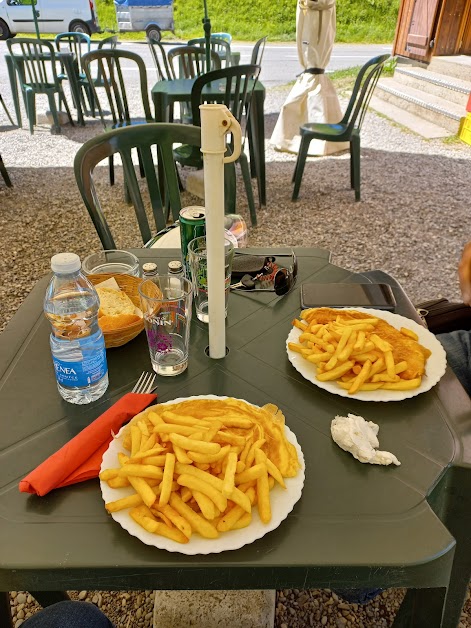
{"x": 355, "y": 525}
{"x": 67, "y": 59}
{"x": 166, "y": 93}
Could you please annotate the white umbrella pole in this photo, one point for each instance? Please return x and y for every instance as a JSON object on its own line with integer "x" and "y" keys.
{"x": 216, "y": 122}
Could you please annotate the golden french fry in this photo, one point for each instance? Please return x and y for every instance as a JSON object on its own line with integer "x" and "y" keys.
{"x": 108, "y": 474}
{"x": 263, "y": 492}
{"x": 158, "y": 528}
{"x": 377, "y": 367}
{"x": 197, "y": 522}
{"x": 180, "y": 522}
{"x": 366, "y": 386}
{"x": 135, "y": 439}
{"x": 228, "y": 521}
{"x": 243, "y": 522}
{"x": 160, "y": 515}
{"x": 208, "y": 458}
{"x": 403, "y": 384}
{"x": 390, "y": 366}
{"x": 346, "y": 333}
{"x": 319, "y": 357}
{"x": 250, "y": 474}
{"x": 173, "y": 428}
{"x": 360, "y": 341}
{"x": 143, "y": 428}
{"x": 181, "y": 455}
{"x": 337, "y": 372}
{"x": 332, "y": 363}
{"x": 197, "y": 484}
{"x": 409, "y": 332}
{"x": 229, "y": 474}
{"x": 300, "y": 324}
{"x": 384, "y": 377}
{"x": 156, "y": 461}
{"x": 147, "y": 453}
{"x": 195, "y": 445}
{"x": 360, "y": 378}
{"x": 400, "y": 367}
{"x": 381, "y": 344}
{"x": 118, "y": 482}
{"x": 141, "y": 471}
{"x": 206, "y": 505}
{"x": 125, "y": 502}
{"x": 155, "y": 418}
{"x": 293, "y": 346}
{"x": 143, "y": 489}
{"x": 227, "y": 437}
{"x": 273, "y": 470}
{"x": 179, "y": 419}
{"x": 245, "y": 451}
{"x": 364, "y": 321}
{"x": 251, "y": 455}
{"x": 166, "y": 486}
{"x": 186, "y": 494}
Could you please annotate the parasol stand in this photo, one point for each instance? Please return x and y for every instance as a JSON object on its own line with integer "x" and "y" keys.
{"x": 216, "y": 122}
{"x": 207, "y": 36}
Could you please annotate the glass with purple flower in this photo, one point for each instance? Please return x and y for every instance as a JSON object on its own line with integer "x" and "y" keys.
{"x": 166, "y": 305}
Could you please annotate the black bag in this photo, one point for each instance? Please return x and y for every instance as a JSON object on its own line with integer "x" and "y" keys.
{"x": 442, "y": 316}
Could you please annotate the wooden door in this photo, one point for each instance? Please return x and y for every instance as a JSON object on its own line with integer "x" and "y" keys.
{"x": 416, "y": 28}
{"x": 465, "y": 42}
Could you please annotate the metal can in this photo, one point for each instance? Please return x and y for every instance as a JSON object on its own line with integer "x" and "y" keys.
{"x": 192, "y": 225}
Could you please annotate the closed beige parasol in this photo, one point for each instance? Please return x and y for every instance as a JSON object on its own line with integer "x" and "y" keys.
{"x": 313, "y": 97}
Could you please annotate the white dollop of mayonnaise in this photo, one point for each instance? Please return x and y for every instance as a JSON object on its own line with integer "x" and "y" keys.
{"x": 360, "y": 438}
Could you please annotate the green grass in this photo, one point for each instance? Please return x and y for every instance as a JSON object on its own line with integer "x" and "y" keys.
{"x": 358, "y": 21}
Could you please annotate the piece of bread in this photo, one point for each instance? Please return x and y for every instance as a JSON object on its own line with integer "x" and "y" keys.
{"x": 114, "y": 302}
{"x": 111, "y": 323}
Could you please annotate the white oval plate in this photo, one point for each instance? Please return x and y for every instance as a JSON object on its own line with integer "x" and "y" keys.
{"x": 282, "y": 503}
{"x": 434, "y": 369}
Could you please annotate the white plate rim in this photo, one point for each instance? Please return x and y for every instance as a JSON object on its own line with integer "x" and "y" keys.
{"x": 282, "y": 502}
{"x": 434, "y": 370}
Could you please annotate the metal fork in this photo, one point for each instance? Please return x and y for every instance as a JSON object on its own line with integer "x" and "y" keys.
{"x": 145, "y": 384}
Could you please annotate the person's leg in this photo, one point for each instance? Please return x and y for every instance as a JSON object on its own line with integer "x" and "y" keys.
{"x": 69, "y": 615}
{"x": 457, "y": 345}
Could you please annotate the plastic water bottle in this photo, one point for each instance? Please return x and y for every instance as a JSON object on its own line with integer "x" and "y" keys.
{"x": 78, "y": 348}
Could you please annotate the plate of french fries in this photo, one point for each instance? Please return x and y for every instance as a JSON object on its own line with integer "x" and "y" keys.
{"x": 365, "y": 354}
{"x": 202, "y": 475}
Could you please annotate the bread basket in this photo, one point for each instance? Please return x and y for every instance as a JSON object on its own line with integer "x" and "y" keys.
{"x": 129, "y": 285}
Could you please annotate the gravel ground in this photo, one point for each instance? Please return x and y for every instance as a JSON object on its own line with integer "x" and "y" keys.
{"x": 410, "y": 223}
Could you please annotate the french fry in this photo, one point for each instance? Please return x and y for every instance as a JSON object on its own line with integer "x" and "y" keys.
{"x": 144, "y": 490}
{"x": 206, "y": 505}
{"x": 403, "y": 384}
{"x": 157, "y": 461}
{"x": 179, "y": 419}
{"x": 141, "y": 471}
{"x": 158, "y": 528}
{"x": 390, "y": 366}
{"x": 409, "y": 333}
{"x": 300, "y": 324}
{"x": 263, "y": 492}
{"x": 140, "y": 455}
{"x": 108, "y": 474}
{"x": 337, "y": 372}
{"x": 166, "y": 486}
{"x": 209, "y": 458}
{"x": 251, "y": 474}
{"x": 381, "y": 344}
{"x": 360, "y": 378}
{"x": 118, "y": 482}
{"x": 367, "y": 386}
{"x": 251, "y": 454}
{"x": 195, "y": 445}
{"x": 125, "y": 502}
{"x": 181, "y": 455}
{"x": 173, "y": 428}
{"x": 273, "y": 470}
{"x": 243, "y": 522}
{"x": 197, "y": 484}
{"x": 229, "y": 474}
{"x": 135, "y": 439}
{"x": 294, "y": 346}
{"x": 198, "y": 524}
{"x": 178, "y": 521}
{"x": 320, "y": 357}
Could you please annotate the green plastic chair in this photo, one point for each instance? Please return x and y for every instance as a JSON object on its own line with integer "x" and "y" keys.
{"x": 220, "y": 46}
{"x": 348, "y": 129}
{"x": 226, "y": 36}
{"x": 108, "y": 43}
{"x": 159, "y": 56}
{"x": 143, "y": 138}
{"x": 258, "y": 50}
{"x": 35, "y": 64}
{"x": 238, "y": 82}
{"x": 115, "y": 89}
{"x": 190, "y": 61}
{"x": 78, "y": 44}
{"x": 4, "y": 173}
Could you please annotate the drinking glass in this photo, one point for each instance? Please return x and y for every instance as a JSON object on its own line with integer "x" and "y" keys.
{"x": 166, "y": 305}
{"x": 199, "y": 273}
{"x": 113, "y": 261}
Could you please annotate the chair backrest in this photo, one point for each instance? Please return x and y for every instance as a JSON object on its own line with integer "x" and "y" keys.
{"x": 36, "y": 63}
{"x": 164, "y": 69}
{"x": 108, "y": 43}
{"x": 78, "y": 44}
{"x": 258, "y": 50}
{"x": 220, "y": 46}
{"x": 124, "y": 141}
{"x": 226, "y": 36}
{"x": 109, "y": 66}
{"x": 190, "y": 61}
{"x": 235, "y": 89}
{"x": 363, "y": 89}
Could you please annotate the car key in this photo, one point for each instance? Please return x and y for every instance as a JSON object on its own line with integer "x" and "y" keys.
{"x": 246, "y": 282}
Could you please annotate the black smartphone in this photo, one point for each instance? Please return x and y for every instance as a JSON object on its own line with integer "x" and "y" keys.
{"x": 374, "y": 295}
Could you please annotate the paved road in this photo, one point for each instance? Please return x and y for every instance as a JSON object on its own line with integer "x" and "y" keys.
{"x": 280, "y": 62}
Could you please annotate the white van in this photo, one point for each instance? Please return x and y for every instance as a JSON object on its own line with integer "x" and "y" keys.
{"x": 55, "y": 16}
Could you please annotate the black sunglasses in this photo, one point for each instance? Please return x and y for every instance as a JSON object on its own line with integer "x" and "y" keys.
{"x": 283, "y": 280}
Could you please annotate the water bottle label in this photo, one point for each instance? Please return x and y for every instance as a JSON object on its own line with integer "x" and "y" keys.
{"x": 82, "y": 373}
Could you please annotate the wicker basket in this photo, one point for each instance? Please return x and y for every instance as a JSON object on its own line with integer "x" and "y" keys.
{"x": 129, "y": 285}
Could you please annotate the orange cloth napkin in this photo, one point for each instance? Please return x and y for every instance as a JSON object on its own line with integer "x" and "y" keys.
{"x": 80, "y": 458}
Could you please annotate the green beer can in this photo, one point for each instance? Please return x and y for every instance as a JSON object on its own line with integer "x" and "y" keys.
{"x": 192, "y": 225}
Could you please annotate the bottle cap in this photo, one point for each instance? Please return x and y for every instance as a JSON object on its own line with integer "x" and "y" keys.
{"x": 149, "y": 268}
{"x": 175, "y": 267}
{"x": 65, "y": 263}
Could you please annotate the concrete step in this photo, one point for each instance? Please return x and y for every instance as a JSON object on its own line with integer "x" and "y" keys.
{"x": 458, "y": 66}
{"x": 428, "y": 106}
{"x": 422, "y": 127}
{"x": 449, "y": 88}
